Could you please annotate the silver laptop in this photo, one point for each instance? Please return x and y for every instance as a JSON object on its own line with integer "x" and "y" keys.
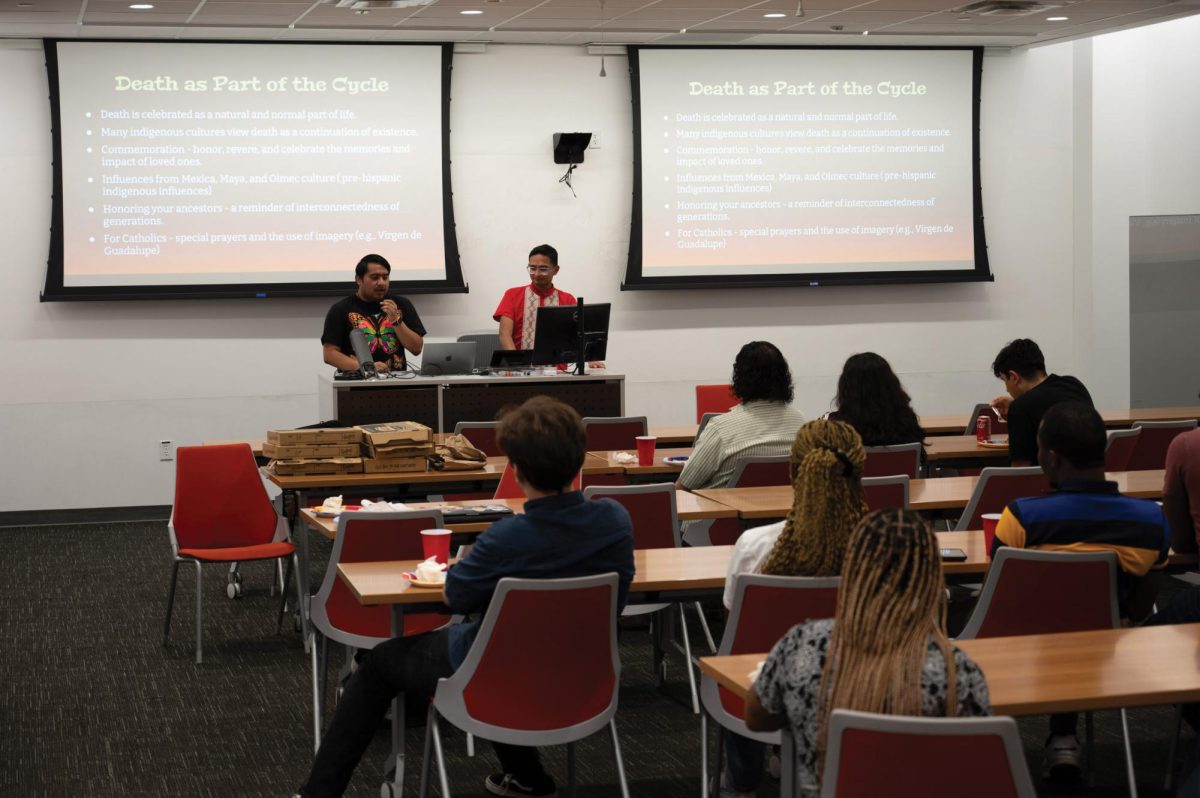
{"x": 441, "y": 360}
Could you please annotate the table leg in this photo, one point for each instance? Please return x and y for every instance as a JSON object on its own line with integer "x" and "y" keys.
{"x": 298, "y": 532}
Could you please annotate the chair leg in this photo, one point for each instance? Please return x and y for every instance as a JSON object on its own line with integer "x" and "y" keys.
{"x": 691, "y": 671}
{"x": 571, "y": 769}
{"x": 437, "y": 750}
{"x": 1128, "y": 756}
{"x": 423, "y": 792}
{"x": 282, "y": 592}
{"x": 471, "y": 745}
{"x": 170, "y": 600}
{"x": 1173, "y": 751}
{"x": 703, "y": 755}
{"x": 278, "y": 579}
{"x": 612, "y": 725}
{"x": 1089, "y": 746}
{"x": 199, "y": 614}
{"x": 316, "y": 696}
{"x": 708, "y": 638}
{"x": 659, "y": 658}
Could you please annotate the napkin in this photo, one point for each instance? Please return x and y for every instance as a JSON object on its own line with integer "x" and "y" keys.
{"x": 430, "y": 571}
{"x": 625, "y": 458}
{"x": 757, "y": 670}
{"x": 332, "y": 505}
{"x": 369, "y": 506}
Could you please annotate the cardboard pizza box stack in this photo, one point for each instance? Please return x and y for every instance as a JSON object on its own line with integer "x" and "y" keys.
{"x": 305, "y": 452}
{"x": 395, "y": 447}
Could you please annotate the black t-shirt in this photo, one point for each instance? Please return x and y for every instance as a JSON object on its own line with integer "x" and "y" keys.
{"x": 352, "y": 312}
{"x": 1026, "y": 411}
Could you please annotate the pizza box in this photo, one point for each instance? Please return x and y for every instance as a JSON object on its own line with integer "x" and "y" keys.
{"x": 393, "y": 465}
{"x": 307, "y": 468}
{"x": 314, "y": 437}
{"x": 310, "y": 451}
{"x": 395, "y": 435}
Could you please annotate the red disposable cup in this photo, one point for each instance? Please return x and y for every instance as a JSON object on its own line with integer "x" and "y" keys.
{"x": 989, "y": 530}
{"x": 436, "y": 543}
{"x": 645, "y": 449}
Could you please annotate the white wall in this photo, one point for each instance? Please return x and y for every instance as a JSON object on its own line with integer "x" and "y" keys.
{"x": 90, "y": 388}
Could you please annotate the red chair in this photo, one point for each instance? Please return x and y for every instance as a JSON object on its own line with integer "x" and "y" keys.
{"x": 655, "y": 521}
{"x": 338, "y": 616}
{"x": 1119, "y": 448}
{"x": 881, "y": 492}
{"x": 481, "y": 434}
{"x": 542, "y": 671}
{"x": 613, "y": 434}
{"x": 869, "y": 755}
{"x": 749, "y": 472}
{"x": 996, "y": 488}
{"x": 507, "y": 487}
{"x": 764, "y": 609}
{"x": 886, "y": 461}
{"x": 714, "y": 399}
{"x": 222, "y": 515}
{"x": 1150, "y": 453}
{"x": 999, "y": 425}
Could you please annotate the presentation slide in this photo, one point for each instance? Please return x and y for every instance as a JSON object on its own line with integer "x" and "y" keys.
{"x": 256, "y": 165}
{"x": 818, "y": 165}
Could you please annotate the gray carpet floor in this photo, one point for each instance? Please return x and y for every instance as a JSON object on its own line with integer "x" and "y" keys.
{"x": 92, "y": 703}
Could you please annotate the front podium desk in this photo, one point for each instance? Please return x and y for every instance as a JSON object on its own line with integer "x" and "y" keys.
{"x": 442, "y": 402}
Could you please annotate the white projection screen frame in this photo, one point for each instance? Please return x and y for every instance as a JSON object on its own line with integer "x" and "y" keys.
{"x": 247, "y": 169}
{"x": 774, "y": 166}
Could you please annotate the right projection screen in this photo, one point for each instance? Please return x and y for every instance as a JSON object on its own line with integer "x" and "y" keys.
{"x": 805, "y": 166}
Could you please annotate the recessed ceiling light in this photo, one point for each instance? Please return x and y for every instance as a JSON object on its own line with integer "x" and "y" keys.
{"x": 141, "y": 6}
{"x": 774, "y": 16}
{"x": 470, "y": 12}
{"x": 1056, "y": 19}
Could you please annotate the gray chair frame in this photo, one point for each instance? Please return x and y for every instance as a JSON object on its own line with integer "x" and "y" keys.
{"x": 916, "y": 448}
{"x": 742, "y": 463}
{"x": 987, "y": 474}
{"x": 843, "y": 720}
{"x": 485, "y": 344}
{"x": 704, "y": 419}
{"x": 898, "y": 479}
{"x": 599, "y": 420}
{"x": 448, "y": 699}
{"x": 980, "y": 409}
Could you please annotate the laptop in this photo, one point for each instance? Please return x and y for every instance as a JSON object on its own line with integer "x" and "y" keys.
{"x": 442, "y": 360}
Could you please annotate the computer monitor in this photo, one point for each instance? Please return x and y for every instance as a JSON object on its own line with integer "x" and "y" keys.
{"x": 559, "y": 332}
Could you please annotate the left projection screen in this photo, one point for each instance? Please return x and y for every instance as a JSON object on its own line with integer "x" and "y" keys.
{"x": 194, "y": 169}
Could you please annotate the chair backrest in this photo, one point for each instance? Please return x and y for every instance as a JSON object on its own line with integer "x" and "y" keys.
{"x": 881, "y": 492}
{"x": 371, "y": 537}
{"x": 764, "y": 609}
{"x": 509, "y": 488}
{"x": 1031, "y": 592}
{"x": 757, "y": 472}
{"x": 869, "y": 755}
{"x": 220, "y": 501}
{"x": 886, "y": 461}
{"x": 651, "y": 509}
{"x": 543, "y": 669}
{"x": 615, "y": 433}
{"x": 1150, "y": 453}
{"x": 996, "y": 488}
{"x": 481, "y": 434}
{"x": 999, "y": 425}
{"x": 704, "y": 419}
{"x": 1119, "y": 448}
{"x": 714, "y": 399}
{"x": 485, "y": 345}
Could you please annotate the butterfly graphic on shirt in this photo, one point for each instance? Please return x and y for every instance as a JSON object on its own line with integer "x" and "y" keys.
{"x": 380, "y": 335}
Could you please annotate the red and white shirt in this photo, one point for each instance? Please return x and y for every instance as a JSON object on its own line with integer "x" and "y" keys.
{"x": 521, "y": 303}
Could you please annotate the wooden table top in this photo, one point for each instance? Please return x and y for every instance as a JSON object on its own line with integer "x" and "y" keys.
{"x": 1120, "y": 417}
{"x": 961, "y": 447}
{"x": 944, "y": 493}
{"x": 684, "y": 434}
{"x": 658, "y": 467}
{"x": 1040, "y": 674}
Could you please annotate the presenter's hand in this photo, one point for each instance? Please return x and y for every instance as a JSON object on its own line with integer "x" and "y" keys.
{"x": 1002, "y": 404}
{"x": 391, "y": 311}
{"x": 596, "y": 364}
{"x": 382, "y": 366}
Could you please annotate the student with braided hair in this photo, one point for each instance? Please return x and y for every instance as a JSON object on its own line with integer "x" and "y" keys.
{"x": 886, "y": 651}
{"x": 826, "y": 463}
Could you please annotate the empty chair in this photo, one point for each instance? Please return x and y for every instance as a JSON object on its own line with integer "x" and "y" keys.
{"x": 222, "y": 515}
{"x": 509, "y": 488}
{"x": 996, "y": 488}
{"x": 869, "y": 755}
{"x": 886, "y": 461}
{"x": 613, "y": 434}
{"x": 1120, "y": 446}
{"x": 1150, "y": 452}
{"x": 749, "y": 472}
{"x": 881, "y": 492}
{"x": 485, "y": 345}
{"x": 714, "y": 399}
{"x": 999, "y": 425}
{"x": 481, "y": 434}
{"x": 543, "y": 670}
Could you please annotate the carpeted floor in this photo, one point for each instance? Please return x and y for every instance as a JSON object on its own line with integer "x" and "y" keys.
{"x": 94, "y": 705}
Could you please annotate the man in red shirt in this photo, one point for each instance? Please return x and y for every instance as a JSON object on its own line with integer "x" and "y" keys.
{"x": 517, "y": 312}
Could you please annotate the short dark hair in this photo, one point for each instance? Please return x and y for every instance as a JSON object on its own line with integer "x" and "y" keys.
{"x": 361, "y": 269}
{"x": 1076, "y": 432}
{"x": 544, "y": 439}
{"x": 1022, "y": 356}
{"x": 760, "y": 372}
{"x": 547, "y": 250}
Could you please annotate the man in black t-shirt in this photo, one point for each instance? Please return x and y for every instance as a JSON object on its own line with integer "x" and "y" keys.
{"x": 1031, "y": 392}
{"x": 390, "y": 324}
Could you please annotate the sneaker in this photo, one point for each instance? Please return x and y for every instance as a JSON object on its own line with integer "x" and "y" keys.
{"x": 507, "y": 784}
{"x": 1062, "y": 759}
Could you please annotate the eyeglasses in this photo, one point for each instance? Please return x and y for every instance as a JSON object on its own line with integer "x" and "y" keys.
{"x": 540, "y": 269}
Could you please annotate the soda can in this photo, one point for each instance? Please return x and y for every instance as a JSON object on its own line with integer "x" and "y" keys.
{"x": 983, "y": 428}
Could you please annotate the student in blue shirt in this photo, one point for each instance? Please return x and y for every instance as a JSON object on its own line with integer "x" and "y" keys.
{"x": 559, "y": 535}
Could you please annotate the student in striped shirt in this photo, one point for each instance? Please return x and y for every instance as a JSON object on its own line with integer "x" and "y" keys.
{"x": 1084, "y": 512}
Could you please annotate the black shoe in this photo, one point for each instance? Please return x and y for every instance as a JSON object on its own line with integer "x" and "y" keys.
{"x": 507, "y": 784}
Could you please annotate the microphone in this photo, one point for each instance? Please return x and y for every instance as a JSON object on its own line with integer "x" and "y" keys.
{"x": 362, "y": 351}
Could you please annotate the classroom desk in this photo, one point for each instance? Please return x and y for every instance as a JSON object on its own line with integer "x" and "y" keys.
{"x": 1042, "y": 674}
{"x": 1122, "y": 417}
{"x": 945, "y": 493}
{"x": 657, "y": 468}
{"x": 962, "y": 447}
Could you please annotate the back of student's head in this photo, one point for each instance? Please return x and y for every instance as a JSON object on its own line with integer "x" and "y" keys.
{"x": 891, "y": 599}
{"x": 871, "y": 399}
{"x": 545, "y": 441}
{"x": 1022, "y": 356}
{"x": 827, "y": 500}
{"x": 760, "y": 372}
{"x": 1076, "y": 432}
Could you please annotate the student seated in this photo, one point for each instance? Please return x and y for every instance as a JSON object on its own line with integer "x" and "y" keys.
{"x": 559, "y": 535}
{"x": 886, "y": 650}
{"x": 1181, "y": 491}
{"x": 871, "y": 399}
{"x": 827, "y": 503}
{"x": 1083, "y": 513}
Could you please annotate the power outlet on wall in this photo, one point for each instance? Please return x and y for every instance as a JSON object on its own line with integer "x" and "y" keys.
{"x": 594, "y": 144}
{"x": 166, "y": 450}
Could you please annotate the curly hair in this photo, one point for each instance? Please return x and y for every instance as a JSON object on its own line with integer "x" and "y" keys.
{"x": 761, "y": 373}
{"x": 871, "y": 399}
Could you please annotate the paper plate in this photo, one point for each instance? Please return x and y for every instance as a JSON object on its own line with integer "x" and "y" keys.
{"x": 679, "y": 459}
{"x": 423, "y": 583}
{"x": 993, "y": 444}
